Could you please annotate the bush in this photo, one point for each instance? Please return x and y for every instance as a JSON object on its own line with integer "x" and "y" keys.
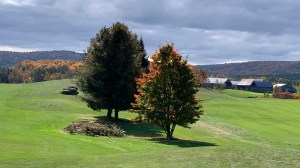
{"x": 94, "y": 129}
{"x": 285, "y": 95}
{"x": 296, "y": 96}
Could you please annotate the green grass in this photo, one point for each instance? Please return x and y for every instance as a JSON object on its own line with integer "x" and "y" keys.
{"x": 242, "y": 93}
{"x": 234, "y": 132}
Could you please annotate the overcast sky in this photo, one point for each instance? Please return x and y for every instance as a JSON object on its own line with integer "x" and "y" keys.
{"x": 207, "y": 31}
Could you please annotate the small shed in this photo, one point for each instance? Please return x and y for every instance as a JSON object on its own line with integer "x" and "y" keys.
{"x": 223, "y": 83}
{"x": 285, "y": 87}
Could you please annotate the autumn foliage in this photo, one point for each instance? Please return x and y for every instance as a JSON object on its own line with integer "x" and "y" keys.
{"x": 285, "y": 95}
{"x": 42, "y": 70}
{"x": 200, "y": 75}
{"x": 166, "y": 95}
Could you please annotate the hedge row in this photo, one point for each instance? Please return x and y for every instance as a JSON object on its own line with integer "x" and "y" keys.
{"x": 285, "y": 95}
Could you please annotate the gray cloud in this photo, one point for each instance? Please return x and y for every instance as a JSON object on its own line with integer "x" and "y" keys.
{"x": 207, "y": 31}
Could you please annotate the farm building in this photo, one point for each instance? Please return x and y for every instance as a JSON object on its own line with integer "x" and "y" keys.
{"x": 255, "y": 85}
{"x": 285, "y": 87}
{"x": 245, "y": 84}
{"x": 234, "y": 84}
{"x": 262, "y": 87}
{"x": 223, "y": 83}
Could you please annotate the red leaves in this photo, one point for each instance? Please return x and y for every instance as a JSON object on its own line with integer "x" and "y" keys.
{"x": 285, "y": 95}
{"x": 200, "y": 75}
{"x": 166, "y": 95}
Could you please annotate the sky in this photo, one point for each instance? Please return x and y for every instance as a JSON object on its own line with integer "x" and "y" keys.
{"x": 204, "y": 31}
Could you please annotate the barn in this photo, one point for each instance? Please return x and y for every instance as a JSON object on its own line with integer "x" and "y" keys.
{"x": 245, "y": 84}
{"x": 255, "y": 85}
{"x": 262, "y": 87}
{"x": 223, "y": 83}
{"x": 234, "y": 84}
{"x": 285, "y": 87}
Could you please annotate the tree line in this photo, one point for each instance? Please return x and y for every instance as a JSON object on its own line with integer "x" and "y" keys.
{"x": 36, "y": 71}
{"x": 9, "y": 58}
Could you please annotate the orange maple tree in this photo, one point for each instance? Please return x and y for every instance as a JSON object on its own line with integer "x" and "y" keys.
{"x": 166, "y": 95}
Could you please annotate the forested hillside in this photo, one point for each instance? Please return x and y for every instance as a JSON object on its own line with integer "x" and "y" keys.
{"x": 35, "y": 71}
{"x": 272, "y": 71}
{"x": 253, "y": 68}
{"x": 8, "y": 58}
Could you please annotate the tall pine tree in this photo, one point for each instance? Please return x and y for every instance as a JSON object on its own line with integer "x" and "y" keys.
{"x": 144, "y": 62}
{"x": 111, "y": 64}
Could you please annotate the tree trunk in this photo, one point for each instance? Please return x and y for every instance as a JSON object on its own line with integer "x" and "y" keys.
{"x": 168, "y": 131}
{"x": 116, "y": 114}
{"x": 172, "y": 130}
{"x": 109, "y": 112}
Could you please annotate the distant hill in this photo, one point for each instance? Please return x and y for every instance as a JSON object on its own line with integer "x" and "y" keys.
{"x": 8, "y": 58}
{"x": 36, "y": 71}
{"x": 255, "y": 68}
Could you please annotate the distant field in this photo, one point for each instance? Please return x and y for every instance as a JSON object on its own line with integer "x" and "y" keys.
{"x": 242, "y": 93}
{"x": 235, "y": 131}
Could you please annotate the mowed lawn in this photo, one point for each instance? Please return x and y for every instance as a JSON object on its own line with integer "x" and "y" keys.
{"x": 235, "y": 131}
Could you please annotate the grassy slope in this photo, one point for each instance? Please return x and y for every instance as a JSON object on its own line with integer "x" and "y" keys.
{"x": 241, "y": 93}
{"x": 234, "y": 131}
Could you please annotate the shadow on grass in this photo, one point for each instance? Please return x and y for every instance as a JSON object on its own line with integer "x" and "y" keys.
{"x": 152, "y": 133}
{"x": 138, "y": 129}
{"x": 182, "y": 143}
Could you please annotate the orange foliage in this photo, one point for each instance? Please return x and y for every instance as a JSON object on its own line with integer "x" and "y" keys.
{"x": 285, "y": 95}
{"x": 42, "y": 70}
{"x": 200, "y": 75}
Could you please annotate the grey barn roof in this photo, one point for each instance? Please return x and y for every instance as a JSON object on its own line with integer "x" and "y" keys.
{"x": 216, "y": 80}
{"x": 248, "y": 82}
{"x": 235, "y": 82}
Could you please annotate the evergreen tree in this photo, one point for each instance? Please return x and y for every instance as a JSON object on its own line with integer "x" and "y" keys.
{"x": 167, "y": 93}
{"x": 107, "y": 77}
{"x": 144, "y": 62}
{"x": 4, "y": 72}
